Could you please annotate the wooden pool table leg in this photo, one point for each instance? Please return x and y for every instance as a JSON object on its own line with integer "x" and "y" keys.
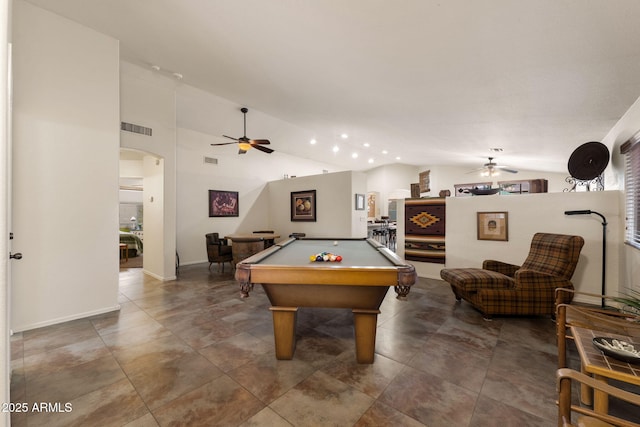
{"x": 365, "y": 322}
{"x": 284, "y": 331}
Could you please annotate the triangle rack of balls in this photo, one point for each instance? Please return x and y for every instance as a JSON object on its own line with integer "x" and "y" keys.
{"x": 325, "y": 257}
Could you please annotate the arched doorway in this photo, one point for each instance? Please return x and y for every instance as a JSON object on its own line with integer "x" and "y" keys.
{"x": 141, "y": 211}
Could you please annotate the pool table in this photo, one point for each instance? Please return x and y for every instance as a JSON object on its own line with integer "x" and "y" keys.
{"x": 359, "y": 282}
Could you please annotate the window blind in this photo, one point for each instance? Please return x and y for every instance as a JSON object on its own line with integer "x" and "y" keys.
{"x": 631, "y": 152}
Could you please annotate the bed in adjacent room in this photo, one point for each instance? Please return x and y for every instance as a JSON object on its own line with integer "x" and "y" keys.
{"x": 133, "y": 242}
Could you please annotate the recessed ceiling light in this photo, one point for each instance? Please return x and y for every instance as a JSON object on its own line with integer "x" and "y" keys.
{"x": 344, "y": 136}
{"x": 366, "y": 144}
{"x": 336, "y": 148}
{"x": 370, "y": 160}
{"x": 385, "y": 152}
{"x": 312, "y": 142}
{"x": 354, "y": 155}
{"x": 397, "y": 157}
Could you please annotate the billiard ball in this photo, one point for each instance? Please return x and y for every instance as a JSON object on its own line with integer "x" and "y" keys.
{"x": 335, "y": 243}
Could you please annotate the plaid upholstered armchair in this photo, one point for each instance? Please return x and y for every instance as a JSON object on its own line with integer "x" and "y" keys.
{"x": 499, "y": 288}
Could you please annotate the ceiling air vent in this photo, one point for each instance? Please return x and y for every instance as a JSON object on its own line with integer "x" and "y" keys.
{"x": 130, "y": 127}
{"x": 210, "y": 160}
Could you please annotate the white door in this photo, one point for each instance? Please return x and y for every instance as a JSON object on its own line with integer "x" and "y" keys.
{"x": 5, "y": 208}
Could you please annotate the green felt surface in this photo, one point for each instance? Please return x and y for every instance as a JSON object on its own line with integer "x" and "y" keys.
{"x": 354, "y": 253}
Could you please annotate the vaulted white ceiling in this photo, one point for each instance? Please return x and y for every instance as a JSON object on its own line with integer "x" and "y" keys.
{"x": 435, "y": 82}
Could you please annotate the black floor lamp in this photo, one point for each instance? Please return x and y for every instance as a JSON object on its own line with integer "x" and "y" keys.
{"x": 604, "y": 244}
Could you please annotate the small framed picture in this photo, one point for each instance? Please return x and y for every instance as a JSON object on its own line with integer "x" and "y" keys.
{"x": 359, "y": 202}
{"x": 303, "y": 205}
{"x": 223, "y": 203}
{"x": 493, "y": 226}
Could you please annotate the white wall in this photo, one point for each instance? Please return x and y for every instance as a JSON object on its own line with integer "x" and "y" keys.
{"x": 358, "y": 218}
{"x": 533, "y": 213}
{"x": 65, "y": 169}
{"x": 335, "y": 215}
{"x": 155, "y": 212}
{"x": 148, "y": 99}
{"x": 248, "y": 174}
{"x": 131, "y": 169}
{"x": 388, "y": 181}
{"x": 626, "y": 127}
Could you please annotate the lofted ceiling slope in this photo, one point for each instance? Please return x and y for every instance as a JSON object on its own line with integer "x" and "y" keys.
{"x": 431, "y": 82}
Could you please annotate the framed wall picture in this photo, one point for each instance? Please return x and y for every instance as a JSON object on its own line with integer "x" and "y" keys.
{"x": 359, "y": 202}
{"x": 425, "y": 185}
{"x": 415, "y": 190}
{"x": 303, "y": 205}
{"x": 371, "y": 205}
{"x": 223, "y": 203}
{"x": 493, "y": 226}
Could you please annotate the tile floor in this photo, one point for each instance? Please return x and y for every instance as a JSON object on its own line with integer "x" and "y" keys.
{"x": 190, "y": 352}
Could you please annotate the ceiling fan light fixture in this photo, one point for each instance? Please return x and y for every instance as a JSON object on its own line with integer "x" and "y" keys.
{"x": 490, "y": 172}
{"x": 245, "y": 146}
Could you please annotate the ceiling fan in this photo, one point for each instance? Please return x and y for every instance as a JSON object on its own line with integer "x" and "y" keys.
{"x": 492, "y": 169}
{"x": 244, "y": 143}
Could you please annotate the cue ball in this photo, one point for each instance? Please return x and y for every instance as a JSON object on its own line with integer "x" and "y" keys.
{"x": 335, "y": 243}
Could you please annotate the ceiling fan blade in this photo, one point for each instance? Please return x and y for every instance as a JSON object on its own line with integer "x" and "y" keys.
{"x": 505, "y": 168}
{"x": 476, "y": 170}
{"x": 224, "y": 143}
{"x": 259, "y": 141}
{"x": 235, "y": 139}
{"x": 263, "y": 149}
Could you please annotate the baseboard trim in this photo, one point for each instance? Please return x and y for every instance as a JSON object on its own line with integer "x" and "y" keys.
{"x": 155, "y": 276}
{"x": 194, "y": 262}
{"x": 66, "y": 318}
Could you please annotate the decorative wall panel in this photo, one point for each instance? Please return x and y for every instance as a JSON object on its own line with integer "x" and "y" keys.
{"x": 425, "y": 230}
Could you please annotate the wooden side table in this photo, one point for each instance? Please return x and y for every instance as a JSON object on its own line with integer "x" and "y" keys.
{"x": 124, "y": 252}
{"x": 602, "y": 367}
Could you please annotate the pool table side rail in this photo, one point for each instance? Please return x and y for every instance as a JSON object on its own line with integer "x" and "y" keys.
{"x": 402, "y": 275}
